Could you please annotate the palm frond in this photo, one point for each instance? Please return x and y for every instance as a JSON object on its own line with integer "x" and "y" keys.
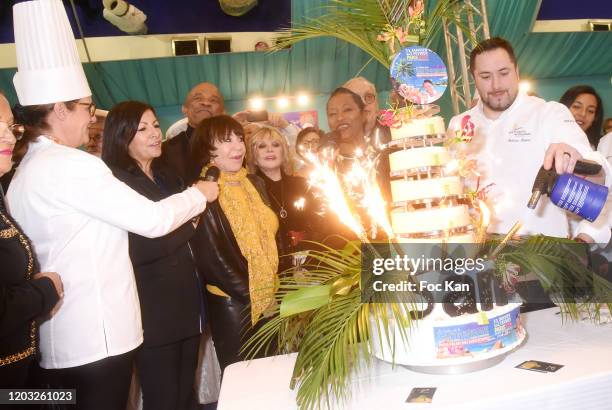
{"x": 559, "y": 265}
{"x": 330, "y": 349}
{"x": 336, "y": 338}
{"x": 394, "y": 11}
{"x": 358, "y": 22}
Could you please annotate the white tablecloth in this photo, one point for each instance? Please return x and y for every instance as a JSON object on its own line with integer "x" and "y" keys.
{"x": 585, "y": 381}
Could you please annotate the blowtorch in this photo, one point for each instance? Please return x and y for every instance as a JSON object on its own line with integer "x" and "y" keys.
{"x": 571, "y": 192}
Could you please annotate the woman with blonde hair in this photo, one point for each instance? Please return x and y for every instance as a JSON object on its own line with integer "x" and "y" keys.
{"x": 268, "y": 157}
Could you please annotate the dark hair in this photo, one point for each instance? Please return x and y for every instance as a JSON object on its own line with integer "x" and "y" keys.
{"x": 307, "y": 131}
{"x": 120, "y": 129}
{"x": 202, "y": 143}
{"x": 568, "y": 98}
{"x": 490, "y": 44}
{"x": 343, "y": 90}
{"x": 428, "y": 81}
{"x": 34, "y": 120}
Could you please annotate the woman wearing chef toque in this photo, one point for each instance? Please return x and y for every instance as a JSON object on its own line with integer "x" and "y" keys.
{"x": 78, "y": 215}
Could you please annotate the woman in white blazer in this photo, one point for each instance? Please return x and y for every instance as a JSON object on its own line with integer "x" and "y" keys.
{"x": 78, "y": 217}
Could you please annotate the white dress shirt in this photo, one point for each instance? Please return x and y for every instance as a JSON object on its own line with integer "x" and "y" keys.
{"x": 77, "y": 216}
{"x": 510, "y": 151}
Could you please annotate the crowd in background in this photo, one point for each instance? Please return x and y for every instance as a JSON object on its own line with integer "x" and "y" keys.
{"x": 217, "y": 270}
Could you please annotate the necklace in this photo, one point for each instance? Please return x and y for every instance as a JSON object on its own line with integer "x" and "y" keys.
{"x": 282, "y": 212}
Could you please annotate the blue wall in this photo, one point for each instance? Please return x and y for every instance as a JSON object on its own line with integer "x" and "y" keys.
{"x": 167, "y": 17}
{"x": 571, "y": 9}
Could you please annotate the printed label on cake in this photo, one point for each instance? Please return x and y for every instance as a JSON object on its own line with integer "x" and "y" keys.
{"x": 472, "y": 339}
{"x": 418, "y": 75}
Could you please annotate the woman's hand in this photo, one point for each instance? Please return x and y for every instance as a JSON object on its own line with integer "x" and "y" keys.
{"x": 209, "y": 189}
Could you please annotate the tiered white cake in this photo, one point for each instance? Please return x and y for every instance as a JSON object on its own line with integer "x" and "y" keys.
{"x": 430, "y": 206}
{"x": 427, "y": 197}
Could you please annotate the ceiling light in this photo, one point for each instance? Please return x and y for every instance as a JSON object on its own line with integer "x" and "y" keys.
{"x": 256, "y": 103}
{"x": 282, "y": 102}
{"x": 303, "y": 99}
{"x": 525, "y": 86}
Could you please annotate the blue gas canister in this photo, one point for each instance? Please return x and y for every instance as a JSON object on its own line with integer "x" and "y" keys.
{"x": 571, "y": 192}
{"x": 579, "y": 196}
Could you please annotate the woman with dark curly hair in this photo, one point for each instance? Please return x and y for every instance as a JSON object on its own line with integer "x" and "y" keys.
{"x": 586, "y": 107}
{"x": 235, "y": 242}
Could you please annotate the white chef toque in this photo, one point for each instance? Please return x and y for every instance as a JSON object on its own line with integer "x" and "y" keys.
{"x": 48, "y": 66}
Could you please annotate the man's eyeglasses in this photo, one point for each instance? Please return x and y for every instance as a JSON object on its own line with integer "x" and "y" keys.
{"x": 90, "y": 106}
{"x": 16, "y": 129}
{"x": 369, "y": 98}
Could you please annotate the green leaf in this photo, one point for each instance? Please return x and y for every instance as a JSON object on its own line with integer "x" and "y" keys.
{"x": 304, "y": 299}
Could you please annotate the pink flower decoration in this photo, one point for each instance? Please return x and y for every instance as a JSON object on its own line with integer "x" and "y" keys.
{"x": 400, "y": 34}
{"x": 417, "y": 9}
{"x": 387, "y": 118}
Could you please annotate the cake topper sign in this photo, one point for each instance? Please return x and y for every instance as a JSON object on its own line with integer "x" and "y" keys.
{"x": 419, "y": 75}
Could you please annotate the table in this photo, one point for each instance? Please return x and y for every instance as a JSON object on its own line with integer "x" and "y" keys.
{"x": 585, "y": 381}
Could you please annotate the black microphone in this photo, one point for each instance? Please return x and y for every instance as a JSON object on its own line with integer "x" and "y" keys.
{"x": 212, "y": 174}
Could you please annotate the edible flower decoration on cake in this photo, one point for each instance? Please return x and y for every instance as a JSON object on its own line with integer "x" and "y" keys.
{"x": 466, "y": 133}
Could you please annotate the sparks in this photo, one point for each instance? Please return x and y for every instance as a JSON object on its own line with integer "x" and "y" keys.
{"x": 357, "y": 185}
{"x": 451, "y": 167}
{"x": 485, "y": 219}
{"x": 325, "y": 179}
{"x": 508, "y": 236}
{"x": 299, "y": 203}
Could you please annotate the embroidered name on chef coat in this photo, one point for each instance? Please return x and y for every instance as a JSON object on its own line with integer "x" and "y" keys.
{"x": 519, "y": 134}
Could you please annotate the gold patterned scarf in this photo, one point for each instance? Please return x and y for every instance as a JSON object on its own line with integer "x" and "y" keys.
{"x": 254, "y": 225}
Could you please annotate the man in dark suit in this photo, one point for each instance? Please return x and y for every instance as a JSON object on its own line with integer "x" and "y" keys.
{"x": 203, "y": 101}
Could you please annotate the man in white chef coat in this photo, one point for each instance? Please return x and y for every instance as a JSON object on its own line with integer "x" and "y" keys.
{"x": 512, "y": 136}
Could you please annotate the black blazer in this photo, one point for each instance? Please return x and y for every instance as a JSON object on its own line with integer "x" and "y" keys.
{"x": 217, "y": 253}
{"x": 176, "y": 155}
{"x": 169, "y": 288}
{"x": 22, "y": 299}
{"x": 286, "y": 192}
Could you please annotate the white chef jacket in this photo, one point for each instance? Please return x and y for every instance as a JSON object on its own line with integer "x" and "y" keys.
{"x": 510, "y": 151}
{"x": 77, "y": 216}
{"x": 605, "y": 147}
